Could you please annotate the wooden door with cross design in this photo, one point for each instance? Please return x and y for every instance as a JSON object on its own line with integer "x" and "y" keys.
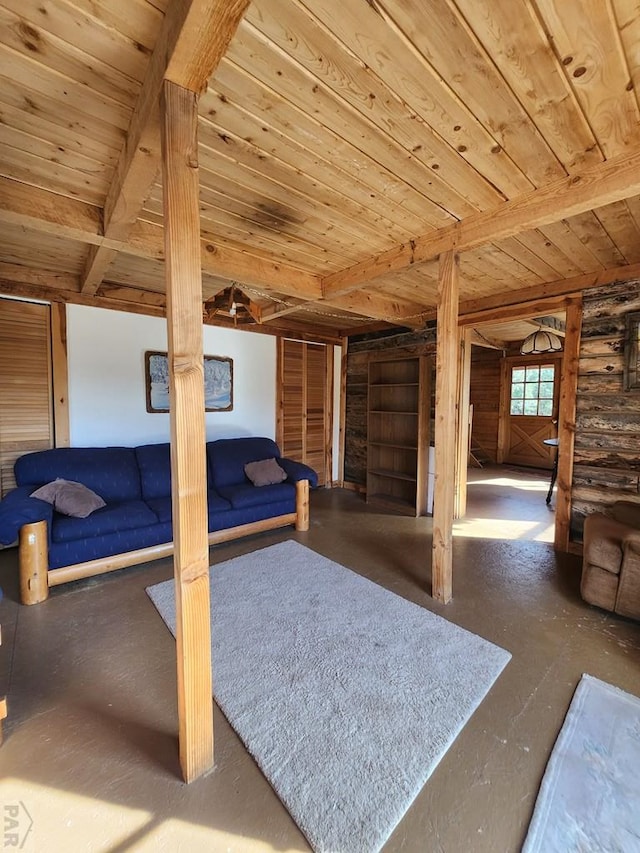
{"x": 529, "y": 410}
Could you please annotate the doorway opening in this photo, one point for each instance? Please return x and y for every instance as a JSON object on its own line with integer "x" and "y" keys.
{"x": 514, "y": 404}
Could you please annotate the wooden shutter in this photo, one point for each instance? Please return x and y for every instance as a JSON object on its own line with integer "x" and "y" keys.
{"x": 304, "y": 404}
{"x": 26, "y": 422}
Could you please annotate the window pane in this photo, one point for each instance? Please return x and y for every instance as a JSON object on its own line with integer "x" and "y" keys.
{"x": 531, "y": 390}
{"x": 546, "y": 374}
{"x": 533, "y": 374}
{"x": 517, "y": 407}
{"x": 517, "y": 374}
{"x": 517, "y": 391}
{"x": 545, "y": 408}
{"x": 531, "y": 407}
{"x": 546, "y": 389}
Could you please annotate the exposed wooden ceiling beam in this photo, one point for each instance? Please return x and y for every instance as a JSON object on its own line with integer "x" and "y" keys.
{"x": 611, "y": 181}
{"x": 43, "y": 211}
{"x": 479, "y": 339}
{"x": 541, "y": 294}
{"x": 51, "y": 286}
{"x": 193, "y": 39}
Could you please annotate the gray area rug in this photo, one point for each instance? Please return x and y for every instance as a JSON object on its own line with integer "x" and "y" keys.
{"x": 346, "y": 695}
{"x": 589, "y": 800}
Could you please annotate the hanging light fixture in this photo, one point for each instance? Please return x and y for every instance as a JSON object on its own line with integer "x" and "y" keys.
{"x": 540, "y": 341}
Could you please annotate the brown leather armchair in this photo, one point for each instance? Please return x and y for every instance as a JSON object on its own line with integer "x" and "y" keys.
{"x": 611, "y": 561}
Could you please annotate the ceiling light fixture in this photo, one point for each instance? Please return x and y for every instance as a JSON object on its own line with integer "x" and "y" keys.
{"x": 540, "y": 341}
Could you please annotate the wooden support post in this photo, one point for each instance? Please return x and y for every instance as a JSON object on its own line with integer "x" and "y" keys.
{"x": 302, "y": 505}
{"x": 445, "y": 427}
{"x": 33, "y": 558}
{"x": 462, "y": 446}
{"x": 188, "y": 460}
{"x": 567, "y": 422}
{"x": 60, "y": 378}
{"x": 343, "y": 410}
{"x": 328, "y": 418}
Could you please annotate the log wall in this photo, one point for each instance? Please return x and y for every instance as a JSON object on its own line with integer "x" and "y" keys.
{"x": 361, "y": 351}
{"x": 485, "y": 399}
{"x": 607, "y": 444}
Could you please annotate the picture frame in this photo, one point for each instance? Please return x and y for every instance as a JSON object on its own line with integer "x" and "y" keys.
{"x": 218, "y": 382}
{"x": 631, "y": 369}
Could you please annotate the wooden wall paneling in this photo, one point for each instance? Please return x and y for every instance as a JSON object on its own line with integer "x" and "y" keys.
{"x": 485, "y": 398}
{"x": 188, "y": 460}
{"x": 503, "y": 412}
{"x": 462, "y": 433}
{"x": 60, "y": 374}
{"x": 26, "y": 422}
{"x": 445, "y": 444}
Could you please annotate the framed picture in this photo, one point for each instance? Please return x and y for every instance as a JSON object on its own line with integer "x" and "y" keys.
{"x": 631, "y": 375}
{"x": 218, "y": 382}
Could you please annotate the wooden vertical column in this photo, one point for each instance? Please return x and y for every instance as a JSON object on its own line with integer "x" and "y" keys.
{"x": 567, "y": 422}
{"x": 343, "y": 410}
{"x": 328, "y": 418}
{"x": 60, "y": 374}
{"x": 445, "y": 427}
{"x": 188, "y": 461}
{"x": 462, "y": 447}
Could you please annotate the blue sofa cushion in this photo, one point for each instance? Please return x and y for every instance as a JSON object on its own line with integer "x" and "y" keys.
{"x": 111, "y": 472}
{"x": 112, "y": 518}
{"x": 18, "y": 508}
{"x": 154, "y": 461}
{"x": 93, "y": 547}
{"x": 163, "y": 509}
{"x": 245, "y": 495}
{"x": 228, "y": 456}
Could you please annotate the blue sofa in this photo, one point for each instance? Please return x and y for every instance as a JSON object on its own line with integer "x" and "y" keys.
{"x": 135, "y": 524}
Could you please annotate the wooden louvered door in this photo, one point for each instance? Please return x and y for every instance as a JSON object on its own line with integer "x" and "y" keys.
{"x": 26, "y": 420}
{"x": 304, "y": 404}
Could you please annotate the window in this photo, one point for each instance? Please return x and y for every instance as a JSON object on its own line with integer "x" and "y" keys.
{"x": 532, "y": 390}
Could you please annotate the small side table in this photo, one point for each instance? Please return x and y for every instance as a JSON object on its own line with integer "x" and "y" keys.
{"x": 552, "y": 442}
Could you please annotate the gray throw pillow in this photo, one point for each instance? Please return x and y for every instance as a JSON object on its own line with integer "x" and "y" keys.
{"x": 266, "y": 472}
{"x": 69, "y": 498}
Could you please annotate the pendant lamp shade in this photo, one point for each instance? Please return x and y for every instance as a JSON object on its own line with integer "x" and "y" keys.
{"x": 540, "y": 341}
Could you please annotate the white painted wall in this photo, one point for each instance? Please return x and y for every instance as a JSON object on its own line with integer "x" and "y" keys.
{"x": 107, "y": 404}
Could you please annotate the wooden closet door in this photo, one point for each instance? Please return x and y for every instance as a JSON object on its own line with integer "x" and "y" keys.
{"x": 26, "y": 421}
{"x": 304, "y": 404}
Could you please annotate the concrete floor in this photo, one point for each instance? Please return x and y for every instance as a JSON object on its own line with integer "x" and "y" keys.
{"x": 90, "y": 755}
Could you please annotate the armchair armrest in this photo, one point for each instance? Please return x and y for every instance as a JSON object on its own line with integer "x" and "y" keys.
{"x": 626, "y": 512}
{"x": 18, "y": 508}
{"x": 298, "y": 471}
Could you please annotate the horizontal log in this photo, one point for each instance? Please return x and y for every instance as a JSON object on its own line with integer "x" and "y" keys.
{"x": 594, "y": 383}
{"x": 617, "y": 478}
{"x": 608, "y": 441}
{"x": 601, "y": 364}
{"x": 598, "y": 496}
{"x": 603, "y": 345}
{"x": 611, "y": 403}
{"x": 611, "y": 423}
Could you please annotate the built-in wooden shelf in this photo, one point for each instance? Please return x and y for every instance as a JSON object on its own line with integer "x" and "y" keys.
{"x": 392, "y": 412}
{"x": 397, "y": 475}
{"x": 398, "y": 432}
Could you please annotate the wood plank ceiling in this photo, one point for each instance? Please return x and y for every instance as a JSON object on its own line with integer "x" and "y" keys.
{"x": 342, "y": 147}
